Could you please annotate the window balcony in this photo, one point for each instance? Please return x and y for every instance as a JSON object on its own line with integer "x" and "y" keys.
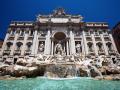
{"x": 101, "y": 52}
{"x": 17, "y": 52}
{"x": 88, "y": 38}
{"x": 111, "y": 52}
{"x": 105, "y": 35}
{"x": 11, "y": 37}
{"x": 21, "y": 38}
{"x": 98, "y": 39}
{"x": 6, "y": 52}
{"x": 96, "y": 35}
{"x": 91, "y": 53}
{"x": 30, "y": 37}
{"x": 87, "y": 34}
{"x": 107, "y": 39}
{"x": 27, "y": 52}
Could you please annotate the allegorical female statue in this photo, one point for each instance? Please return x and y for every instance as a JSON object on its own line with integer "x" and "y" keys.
{"x": 78, "y": 48}
{"x": 41, "y": 47}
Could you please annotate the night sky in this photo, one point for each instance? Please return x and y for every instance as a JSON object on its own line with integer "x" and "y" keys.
{"x": 27, "y": 10}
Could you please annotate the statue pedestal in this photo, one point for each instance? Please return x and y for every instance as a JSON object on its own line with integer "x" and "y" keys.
{"x": 60, "y": 59}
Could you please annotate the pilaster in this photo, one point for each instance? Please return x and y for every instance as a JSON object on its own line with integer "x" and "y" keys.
{"x": 94, "y": 44}
{"x": 85, "y": 43}
{"x": 34, "y": 43}
{"x": 72, "y": 43}
{"x": 104, "y": 44}
{"x": 47, "y": 43}
{"x": 14, "y": 42}
{"x": 24, "y": 43}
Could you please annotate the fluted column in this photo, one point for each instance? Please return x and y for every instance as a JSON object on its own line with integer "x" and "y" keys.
{"x": 83, "y": 46}
{"x": 14, "y": 42}
{"x": 104, "y": 44}
{"x": 47, "y": 43}
{"x": 72, "y": 43}
{"x": 67, "y": 45}
{"x": 85, "y": 43}
{"x": 37, "y": 44}
{"x": 94, "y": 44}
{"x": 34, "y": 43}
{"x": 52, "y": 47}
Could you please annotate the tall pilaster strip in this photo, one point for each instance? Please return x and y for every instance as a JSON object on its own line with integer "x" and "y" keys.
{"x": 104, "y": 44}
{"x": 94, "y": 44}
{"x": 67, "y": 48}
{"x": 24, "y": 43}
{"x": 72, "y": 41}
{"x": 47, "y": 43}
{"x": 37, "y": 44}
{"x": 83, "y": 46}
{"x": 14, "y": 42}
{"x": 85, "y": 43}
{"x": 34, "y": 43}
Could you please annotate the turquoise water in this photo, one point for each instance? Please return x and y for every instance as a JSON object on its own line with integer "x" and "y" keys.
{"x": 66, "y": 84}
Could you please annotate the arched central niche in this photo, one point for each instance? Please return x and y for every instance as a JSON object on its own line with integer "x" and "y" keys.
{"x": 60, "y": 43}
{"x": 59, "y": 36}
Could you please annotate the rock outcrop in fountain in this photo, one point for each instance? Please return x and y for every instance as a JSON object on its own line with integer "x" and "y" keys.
{"x": 60, "y": 67}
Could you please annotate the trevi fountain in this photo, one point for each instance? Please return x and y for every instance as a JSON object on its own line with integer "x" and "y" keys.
{"x": 59, "y": 52}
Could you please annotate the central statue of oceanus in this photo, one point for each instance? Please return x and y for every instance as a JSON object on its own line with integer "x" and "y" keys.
{"x": 58, "y": 48}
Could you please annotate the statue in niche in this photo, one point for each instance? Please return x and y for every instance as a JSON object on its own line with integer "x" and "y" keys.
{"x": 58, "y": 48}
{"x": 78, "y": 47}
{"x": 41, "y": 47}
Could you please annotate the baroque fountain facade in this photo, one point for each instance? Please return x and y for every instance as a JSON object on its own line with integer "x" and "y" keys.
{"x": 59, "y": 45}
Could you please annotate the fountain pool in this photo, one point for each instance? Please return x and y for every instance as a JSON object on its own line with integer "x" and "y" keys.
{"x": 59, "y": 84}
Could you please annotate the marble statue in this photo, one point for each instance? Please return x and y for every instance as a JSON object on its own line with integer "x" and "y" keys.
{"x": 58, "y": 48}
{"x": 78, "y": 47}
{"x": 41, "y": 47}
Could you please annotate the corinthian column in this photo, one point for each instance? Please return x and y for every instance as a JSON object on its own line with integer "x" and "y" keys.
{"x": 47, "y": 43}
{"x": 14, "y": 42}
{"x": 104, "y": 44}
{"x": 83, "y": 47}
{"x": 85, "y": 43}
{"x": 72, "y": 43}
{"x": 94, "y": 44}
{"x": 34, "y": 43}
{"x": 24, "y": 42}
{"x": 67, "y": 45}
